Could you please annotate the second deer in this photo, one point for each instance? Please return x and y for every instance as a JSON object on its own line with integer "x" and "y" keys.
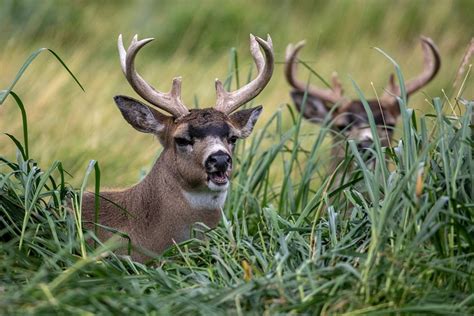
{"x": 350, "y": 120}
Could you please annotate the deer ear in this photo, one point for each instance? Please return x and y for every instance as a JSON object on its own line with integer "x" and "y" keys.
{"x": 315, "y": 110}
{"x": 245, "y": 120}
{"x": 140, "y": 116}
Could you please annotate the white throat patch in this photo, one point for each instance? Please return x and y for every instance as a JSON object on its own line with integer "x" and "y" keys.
{"x": 206, "y": 200}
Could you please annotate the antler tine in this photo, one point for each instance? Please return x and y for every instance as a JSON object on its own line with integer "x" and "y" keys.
{"x": 169, "y": 102}
{"x": 290, "y": 64}
{"x": 122, "y": 54}
{"x": 336, "y": 85}
{"x": 331, "y": 95}
{"x": 257, "y": 53}
{"x": 432, "y": 63}
{"x": 228, "y": 102}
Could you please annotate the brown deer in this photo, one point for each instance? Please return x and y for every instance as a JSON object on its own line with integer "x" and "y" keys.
{"x": 349, "y": 119}
{"x": 189, "y": 181}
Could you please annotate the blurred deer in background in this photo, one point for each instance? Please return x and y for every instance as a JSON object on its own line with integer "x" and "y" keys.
{"x": 349, "y": 119}
{"x": 189, "y": 181}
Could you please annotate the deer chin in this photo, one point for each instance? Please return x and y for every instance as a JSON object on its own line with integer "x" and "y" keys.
{"x": 218, "y": 180}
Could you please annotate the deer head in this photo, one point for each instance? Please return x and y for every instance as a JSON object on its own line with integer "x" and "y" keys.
{"x": 197, "y": 142}
{"x": 189, "y": 181}
{"x": 350, "y": 120}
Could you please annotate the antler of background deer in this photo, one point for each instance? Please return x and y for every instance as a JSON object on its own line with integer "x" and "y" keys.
{"x": 170, "y": 102}
{"x": 432, "y": 63}
{"x": 331, "y": 95}
{"x": 228, "y": 102}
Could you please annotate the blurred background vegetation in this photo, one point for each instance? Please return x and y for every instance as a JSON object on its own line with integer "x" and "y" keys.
{"x": 193, "y": 39}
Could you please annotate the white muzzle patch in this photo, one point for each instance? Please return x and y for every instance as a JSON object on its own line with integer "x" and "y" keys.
{"x": 216, "y": 145}
{"x": 213, "y": 148}
{"x": 365, "y": 134}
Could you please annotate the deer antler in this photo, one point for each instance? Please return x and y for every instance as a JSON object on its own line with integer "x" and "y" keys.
{"x": 330, "y": 95}
{"x": 169, "y": 102}
{"x": 228, "y": 102}
{"x": 432, "y": 63}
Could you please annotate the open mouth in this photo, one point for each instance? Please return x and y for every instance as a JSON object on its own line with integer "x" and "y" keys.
{"x": 219, "y": 177}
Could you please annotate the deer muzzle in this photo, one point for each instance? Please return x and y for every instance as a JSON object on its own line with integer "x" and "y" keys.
{"x": 218, "y": 167}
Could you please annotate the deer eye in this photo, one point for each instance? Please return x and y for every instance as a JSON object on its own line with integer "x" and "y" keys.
{"x": 181, "y": 141}
{"x": 231, "y": 140}
{"x": 340, "y": 127}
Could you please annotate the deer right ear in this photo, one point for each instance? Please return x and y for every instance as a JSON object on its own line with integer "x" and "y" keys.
{"x": 315, "y": 110}
{"x": 140, "y": 116}
{"x": 245, "y": 120}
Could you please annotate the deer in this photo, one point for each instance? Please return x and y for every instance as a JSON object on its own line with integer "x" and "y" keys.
{"x": 349, "y": 119}
{"x": 189, "y": 181}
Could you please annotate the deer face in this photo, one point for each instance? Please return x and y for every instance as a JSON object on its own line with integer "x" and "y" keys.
{"x": 350, "y": 120}
{"x": 199, "y": 146}
{"x": 205, "y": 140}
{"x": 198, "y": 143}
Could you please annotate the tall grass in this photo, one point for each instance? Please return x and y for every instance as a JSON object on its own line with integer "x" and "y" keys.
{"x": 393, "y": 241}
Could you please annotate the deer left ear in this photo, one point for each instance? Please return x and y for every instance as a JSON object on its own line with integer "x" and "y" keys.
{"x": 245, "y": 120}
{"x": 140, "y": 116}
{"x": 315, "y": 110}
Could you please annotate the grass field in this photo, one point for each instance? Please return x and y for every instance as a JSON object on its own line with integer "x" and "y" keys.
{"x": 393, "y": 241}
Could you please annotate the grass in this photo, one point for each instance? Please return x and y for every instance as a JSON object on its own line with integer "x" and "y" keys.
{"x": 394, "y": 240}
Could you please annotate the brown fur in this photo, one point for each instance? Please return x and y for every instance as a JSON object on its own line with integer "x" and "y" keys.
{"x": 158, "y": 215}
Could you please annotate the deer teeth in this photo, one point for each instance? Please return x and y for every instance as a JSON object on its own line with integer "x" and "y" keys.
{"x": 219, "y": 177}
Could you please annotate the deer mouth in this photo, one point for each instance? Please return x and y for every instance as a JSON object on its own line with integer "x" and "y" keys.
{"x": 219, "y": 177}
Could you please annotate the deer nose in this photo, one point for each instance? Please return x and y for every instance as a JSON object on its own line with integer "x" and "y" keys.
{"x": 219, "y": 161}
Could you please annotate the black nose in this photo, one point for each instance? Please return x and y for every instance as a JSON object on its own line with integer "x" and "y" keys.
{"x": 219, "y": 161}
